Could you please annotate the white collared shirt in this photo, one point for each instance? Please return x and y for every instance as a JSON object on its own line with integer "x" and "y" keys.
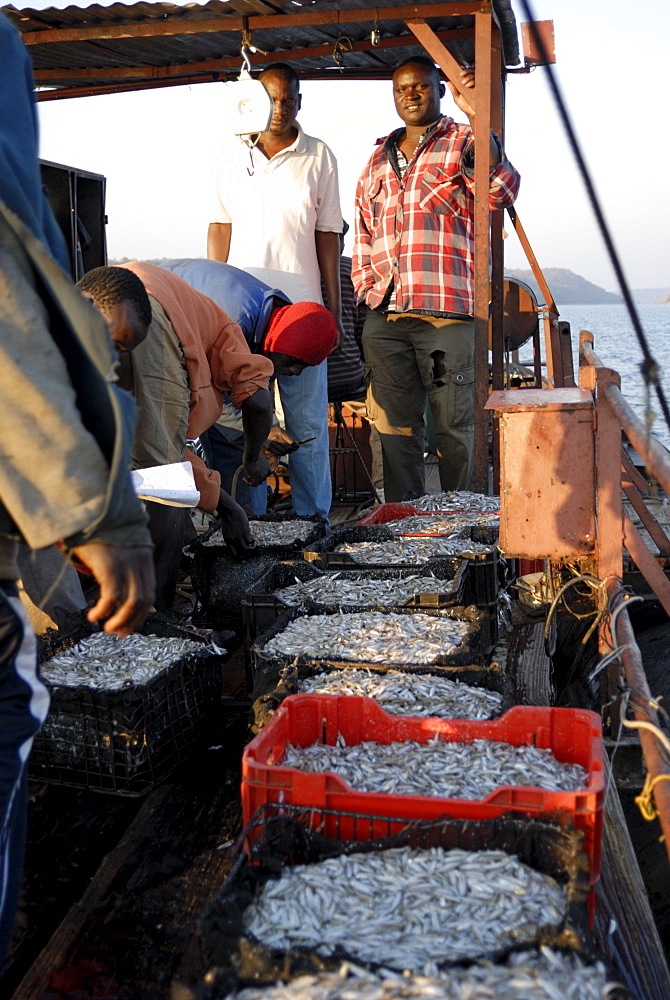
{"x": 275, "y": 206}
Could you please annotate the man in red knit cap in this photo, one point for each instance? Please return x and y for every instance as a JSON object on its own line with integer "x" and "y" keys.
{"x": 292, "y": 336}
{"x": 187, "y": 355}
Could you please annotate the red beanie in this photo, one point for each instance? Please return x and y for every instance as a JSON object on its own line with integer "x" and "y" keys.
{"x": 304, "y": 330}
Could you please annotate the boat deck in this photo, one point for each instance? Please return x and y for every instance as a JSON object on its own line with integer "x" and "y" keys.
{"x": 114, "y": 887}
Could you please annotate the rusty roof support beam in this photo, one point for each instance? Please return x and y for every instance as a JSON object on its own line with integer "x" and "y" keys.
{"x": 253, "y": 23}
{"x": 532, "y": 260}
{"x": 67, "y": 93}
{"x": 232, "y": 63}
{"x": 439, "y": 54}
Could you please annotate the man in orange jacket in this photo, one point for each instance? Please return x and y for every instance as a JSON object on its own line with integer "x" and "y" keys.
{"x": 178, "y": 353}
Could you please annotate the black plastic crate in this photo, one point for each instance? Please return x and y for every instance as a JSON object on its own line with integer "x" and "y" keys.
{"x": 220, "y": 580}
{"x": 470, "y": 650}
{"x": 261, "y": 608}
{"x": 484, "y": 568}
{"x": 273, "y": 685}
{"x": 125, "y": 742}
{"x": 281, "y": 836}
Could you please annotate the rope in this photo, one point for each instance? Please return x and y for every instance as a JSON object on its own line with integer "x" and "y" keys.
{"x": 645, "y": 800}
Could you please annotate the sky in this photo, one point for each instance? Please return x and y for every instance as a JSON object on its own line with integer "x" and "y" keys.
{"x": 157, "y": 148}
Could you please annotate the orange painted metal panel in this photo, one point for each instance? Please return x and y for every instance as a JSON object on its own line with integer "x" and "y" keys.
{"x": 547, "y": 473}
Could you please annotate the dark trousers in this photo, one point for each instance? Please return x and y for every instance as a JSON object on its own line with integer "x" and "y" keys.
{"x": 167, "y": 526}
{"x": 411, "y": 360}
{"x": 23, "y": 707}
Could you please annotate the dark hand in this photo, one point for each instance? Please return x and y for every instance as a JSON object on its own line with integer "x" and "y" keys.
{"x": 126, "y": 578}
{"x": 339, "y": 337}
{"x": 468, "y": 81}
{"x": 279, "y": 443}
{"x": 256, "y": 471}
{"x": 234, "y": 525}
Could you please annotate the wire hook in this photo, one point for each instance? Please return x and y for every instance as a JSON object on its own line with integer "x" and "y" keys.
{"x": 340, "y": 49}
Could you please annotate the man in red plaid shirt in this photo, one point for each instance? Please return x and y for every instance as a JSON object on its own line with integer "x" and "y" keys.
{"x": 413, "y": 266}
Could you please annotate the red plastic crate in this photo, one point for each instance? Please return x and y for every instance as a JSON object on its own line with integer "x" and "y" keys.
{"x": 389, "y": 512}
{"x": 573, "y": 735}
{"x": 396, "y": 511}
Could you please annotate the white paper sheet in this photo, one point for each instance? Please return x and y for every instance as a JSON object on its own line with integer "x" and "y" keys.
{"x": 169, "y": 484}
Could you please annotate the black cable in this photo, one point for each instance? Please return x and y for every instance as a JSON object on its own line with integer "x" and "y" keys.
{"x": 649, "y": 366}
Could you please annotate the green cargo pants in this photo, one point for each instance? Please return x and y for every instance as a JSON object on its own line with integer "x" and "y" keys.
{"x": 411, "y": 358}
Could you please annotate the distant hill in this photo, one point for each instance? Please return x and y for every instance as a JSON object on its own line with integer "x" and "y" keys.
{"x": 567, "y": 287}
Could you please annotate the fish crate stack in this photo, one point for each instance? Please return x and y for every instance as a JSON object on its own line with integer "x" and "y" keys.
{"x": 437, "y": 910}
{"x": 466, "y": 692}
{"x": 304, "y": 585}
{"x": 348, "y": 755}
{"x": 456, "y": 515}
{"x": 220, "y": 579}
{"x": 415, "y": 660}
{"x": 354, "y": 636}
{"x": 378, "y": 547}
{"x": 124, "y": 712}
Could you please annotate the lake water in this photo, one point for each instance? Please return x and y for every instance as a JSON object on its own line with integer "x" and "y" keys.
{"x": 616, "y": 344}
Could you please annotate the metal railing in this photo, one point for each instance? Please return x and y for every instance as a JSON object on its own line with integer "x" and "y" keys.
{"x": 654, "y": 800}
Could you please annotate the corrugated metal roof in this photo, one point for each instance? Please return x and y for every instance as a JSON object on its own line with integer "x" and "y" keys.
{"x": 97, "y": 49}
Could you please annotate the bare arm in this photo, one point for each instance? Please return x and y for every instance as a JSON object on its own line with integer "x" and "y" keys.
{"x": 328, "y": 256}
{"x": 218, "y": 240}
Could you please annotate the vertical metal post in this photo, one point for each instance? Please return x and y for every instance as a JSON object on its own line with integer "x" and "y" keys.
{"x": 483, "y": 63}
{"x": 609, "y": 515}
{"x": 497, "y": 260}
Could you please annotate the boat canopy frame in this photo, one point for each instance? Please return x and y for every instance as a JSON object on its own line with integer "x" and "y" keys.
{"x": 101, "y": 50}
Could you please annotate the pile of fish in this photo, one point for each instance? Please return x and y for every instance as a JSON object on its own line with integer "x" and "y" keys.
{"x": 447, "y": 770}
{"x": 526, "y": 975}
{"x": 406, "y": 908}
{"x": 337, "y": 589}
{"x": 456, "y": 500}
{"x": 370, "y": 637}
{"x": 416, "y": 551}
{"x": 439, "y": 524}
{"x": 270, "y": 533}
{"x": 408, "y": 694}
{"x": 103, "y": 661}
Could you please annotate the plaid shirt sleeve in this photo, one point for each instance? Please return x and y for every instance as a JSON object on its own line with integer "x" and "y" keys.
{"x": 504, "y": 179}
{"x": 362, "y": 274}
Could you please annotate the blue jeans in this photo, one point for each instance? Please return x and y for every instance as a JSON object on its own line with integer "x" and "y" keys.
{"x": 304, "y": 399}
{"x": 224, "y": 450}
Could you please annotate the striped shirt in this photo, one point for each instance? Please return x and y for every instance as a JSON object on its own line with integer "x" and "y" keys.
{"x": 415, "y": 229}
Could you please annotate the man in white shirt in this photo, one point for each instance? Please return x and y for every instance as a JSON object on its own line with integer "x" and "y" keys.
{"x": 278, "y": 217}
